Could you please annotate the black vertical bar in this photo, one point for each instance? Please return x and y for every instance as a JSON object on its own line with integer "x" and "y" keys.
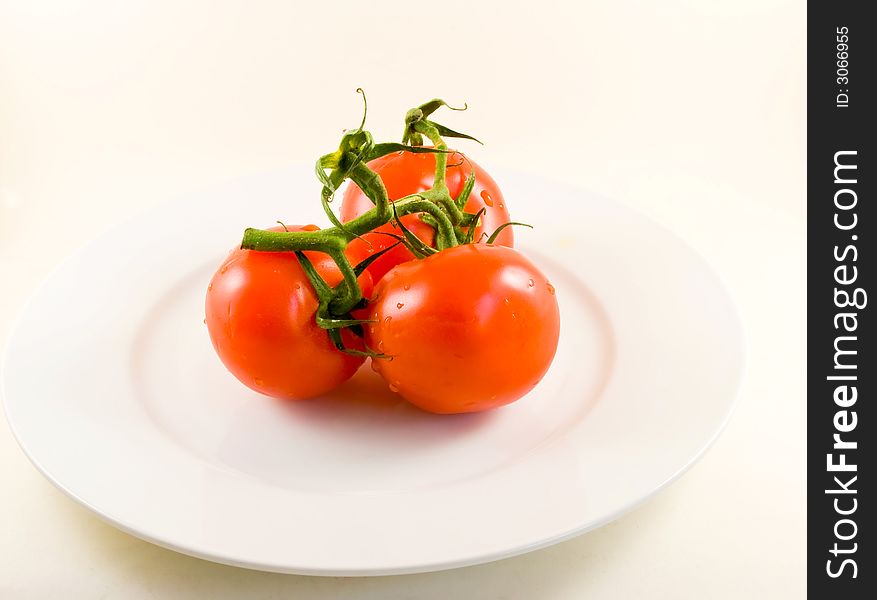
{"x": 841, "y": 366}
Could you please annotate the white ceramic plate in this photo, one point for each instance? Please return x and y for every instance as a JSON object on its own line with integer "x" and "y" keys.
{"x": 114, "y": 392}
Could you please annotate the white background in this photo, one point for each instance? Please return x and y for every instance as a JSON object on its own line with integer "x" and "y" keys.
{"x": 690, "y": 110}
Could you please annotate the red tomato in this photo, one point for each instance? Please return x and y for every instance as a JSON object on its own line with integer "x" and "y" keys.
{"x": 260, "y": 310}
{"x": 405, "y": 173}
{"x": 468, "y": 329}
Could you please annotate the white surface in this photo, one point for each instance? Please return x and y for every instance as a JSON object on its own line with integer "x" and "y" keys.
{"x": 140, "y": 422}
{"x": 692, "y": 111}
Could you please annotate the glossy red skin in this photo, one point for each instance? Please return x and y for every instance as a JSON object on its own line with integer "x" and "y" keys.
{"x": 466, "y": 329}
{"x": 405, "y": 173}
{"x": 260, "y": 310}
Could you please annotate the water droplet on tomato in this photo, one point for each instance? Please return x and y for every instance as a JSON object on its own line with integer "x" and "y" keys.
{"x": 374, "y": 365}
{"x": 507, "y": 302}
{"x": 209, "y": 287}
{"x": 531, "y": 283}
{"x": 387, "y": 320}
{"x": 223, "y": 270}
{"x": 371, "y": 330}
{"x": 406, "y": 287}
{"x": 400, "y": 304}
{"x": 394, "y": 387}
{"x": 501, "y": 205}
{"x": 550, "y": 289}
{"x": 487, "y": 199}
{"x": 381, "y": 346}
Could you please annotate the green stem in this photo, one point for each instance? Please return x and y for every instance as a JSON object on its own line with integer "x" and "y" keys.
{"x": 373, "y": 187}
{"x": 445, "y": 214}
{"x": 349, "y": 292}
{"x": 445, "y": 236}
{"x": 333, "y": 239}
{"x": 443, "y": 199}
{"x": 323, "y": 240}
{"x": 441, "y": 159}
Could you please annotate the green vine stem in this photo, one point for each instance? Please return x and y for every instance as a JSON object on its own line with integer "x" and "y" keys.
{"x": 435, "y": 205}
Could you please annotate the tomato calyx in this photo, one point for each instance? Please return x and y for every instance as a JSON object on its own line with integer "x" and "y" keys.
{"x": 325, "y": 318}
{"x": 414, "y": 244}
{"x": 417, "y": 125}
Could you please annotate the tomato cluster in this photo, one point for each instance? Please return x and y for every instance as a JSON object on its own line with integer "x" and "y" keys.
{"x": 459, "y": 328}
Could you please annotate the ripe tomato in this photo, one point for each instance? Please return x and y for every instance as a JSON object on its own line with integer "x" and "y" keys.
{"x": 260, "y": 310}
{"x": 405, "y": 173}
{"x": 468, "y": 329}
